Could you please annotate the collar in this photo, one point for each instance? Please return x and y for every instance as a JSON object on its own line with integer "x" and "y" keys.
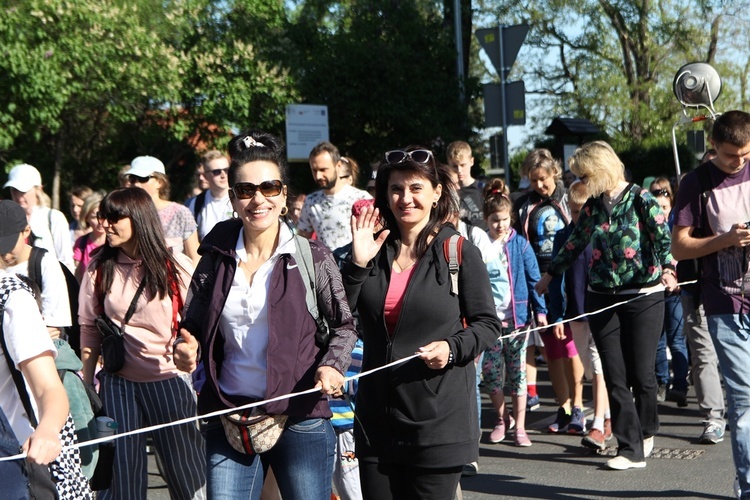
{"x": 286, "y": 243}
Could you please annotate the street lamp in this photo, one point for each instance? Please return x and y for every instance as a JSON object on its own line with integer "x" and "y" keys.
{"x": 696, "y": 85}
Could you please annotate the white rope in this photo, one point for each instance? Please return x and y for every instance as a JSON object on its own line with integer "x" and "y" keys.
{"x": 310, "y": 391}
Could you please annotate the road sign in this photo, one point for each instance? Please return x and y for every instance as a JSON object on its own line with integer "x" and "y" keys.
{"x": 513, "y": 37}
{"x": 306, "y": 126}
{"x": 515, "y": 104}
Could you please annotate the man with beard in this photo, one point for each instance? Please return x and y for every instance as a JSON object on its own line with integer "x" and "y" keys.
{"x": 327, "y": 212}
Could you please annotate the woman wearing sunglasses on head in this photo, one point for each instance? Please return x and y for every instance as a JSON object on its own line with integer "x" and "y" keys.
{"x": 247, "y": 307}
{"x": 177, "y": 221}
{"x": 417, "y": 421}
{"x": 140, "y": 285}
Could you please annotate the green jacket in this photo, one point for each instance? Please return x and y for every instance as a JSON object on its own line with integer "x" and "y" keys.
{"x": 80, "y": 406}
{"x": 631, "y": 246}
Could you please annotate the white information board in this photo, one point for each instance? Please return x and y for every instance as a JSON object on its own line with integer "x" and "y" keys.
{"x": 306, "y": 126}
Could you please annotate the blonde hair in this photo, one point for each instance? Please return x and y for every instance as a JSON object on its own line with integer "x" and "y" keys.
{"x": 90, "y": 203}
{"x": 578, "y": 193}
{"x": 458, "y": 148}
{"x": 541, "y": 158}
{"x": 599, "y": 163}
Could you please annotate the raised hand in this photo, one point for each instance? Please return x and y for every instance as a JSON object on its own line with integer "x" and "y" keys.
{"x": 364, "y": 246}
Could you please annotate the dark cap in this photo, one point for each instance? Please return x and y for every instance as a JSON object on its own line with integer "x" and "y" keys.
{"x": 12, "y": 222}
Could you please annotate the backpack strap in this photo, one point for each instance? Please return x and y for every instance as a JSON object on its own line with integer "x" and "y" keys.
{"x": 307, "y": 268}
{"x": 6, "y": 287}
{"x": 200, "y": 200}
{"x": 452, "y": 249}
{"x": 35, "y": 265}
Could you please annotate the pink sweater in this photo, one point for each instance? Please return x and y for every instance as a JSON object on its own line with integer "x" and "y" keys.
{"x": 148, "y": 334}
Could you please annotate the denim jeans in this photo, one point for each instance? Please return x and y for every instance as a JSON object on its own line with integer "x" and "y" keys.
{"x": 672, "y": 335}
{"x": 302, "y": 462}
{"x": 731, "y": 336}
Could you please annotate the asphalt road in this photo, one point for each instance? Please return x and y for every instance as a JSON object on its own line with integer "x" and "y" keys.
{"x": 558, "y": 467}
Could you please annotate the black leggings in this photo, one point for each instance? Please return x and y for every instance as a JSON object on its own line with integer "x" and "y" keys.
{"x": 398, "y": 481}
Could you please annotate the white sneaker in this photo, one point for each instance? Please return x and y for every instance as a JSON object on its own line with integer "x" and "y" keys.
{"x": 623, "y": 463}
{"x": 648, "y": 446}
{"x": 737, "y": 489}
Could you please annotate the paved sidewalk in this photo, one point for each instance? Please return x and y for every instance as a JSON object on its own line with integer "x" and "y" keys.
{"x": 557, "y": 466}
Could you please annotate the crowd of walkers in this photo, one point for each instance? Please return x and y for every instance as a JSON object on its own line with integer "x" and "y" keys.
{"x": 247, "y": 293}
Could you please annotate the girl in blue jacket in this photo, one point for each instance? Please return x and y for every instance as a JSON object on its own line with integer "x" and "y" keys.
{"x": 513, "y": 272}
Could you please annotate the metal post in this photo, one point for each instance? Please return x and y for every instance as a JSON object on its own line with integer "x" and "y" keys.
{"x": 502, "y": 100}
{"x": 459, "y": 48}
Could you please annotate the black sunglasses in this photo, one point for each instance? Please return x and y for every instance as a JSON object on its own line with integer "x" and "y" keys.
{"x": 112, "y": 219}
{"x": 218, "y": 171}
{"x": 417, "y": 156}
{"x": 660, "y": 192}
{"x": 246, "y": 190}
{"x": 137, "y": 179}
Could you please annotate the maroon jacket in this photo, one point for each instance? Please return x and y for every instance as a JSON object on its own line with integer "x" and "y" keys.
{"x": 292, "y": 356}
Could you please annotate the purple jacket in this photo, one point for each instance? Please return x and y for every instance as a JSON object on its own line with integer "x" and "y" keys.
{"x": 292, "y": 356}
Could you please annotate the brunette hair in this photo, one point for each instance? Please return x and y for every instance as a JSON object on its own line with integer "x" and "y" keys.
{"x": 255, "y": 145}
{"x": 732, "y": 127}
{"x": 436, "y": 174}
{"x": 662, "y": 184}
{"x": 496, "y": 197}
{"x": 161, "y": 269}
{"x": 352, "y": 167}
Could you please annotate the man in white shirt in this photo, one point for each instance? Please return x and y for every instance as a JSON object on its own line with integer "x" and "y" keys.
{"x": 49, "y": 227}
{"x": 212, "y": 205}
{"x": 327, "y": 212}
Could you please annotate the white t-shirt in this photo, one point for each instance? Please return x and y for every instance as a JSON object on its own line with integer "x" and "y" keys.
{"x": 330, "y": 216}
{"x": 244, "y": 323}
{"x": 26, "y": 337}
{"x": 214, "y": 211}
{"x": 53, "y": 233}
{"x": 479, "y": 238}
{"x": 55, "y": 303}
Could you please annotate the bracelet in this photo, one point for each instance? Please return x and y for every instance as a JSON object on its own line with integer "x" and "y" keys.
{"x": 450, "y": 357}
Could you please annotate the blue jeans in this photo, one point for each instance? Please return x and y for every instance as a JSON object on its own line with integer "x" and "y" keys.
{"x": 302, "y": 462}
{"x": 672, "y": 335}
{"x": 731, "y": 336}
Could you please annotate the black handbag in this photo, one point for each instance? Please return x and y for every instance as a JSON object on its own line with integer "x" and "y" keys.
{"x": 113, "y": 344}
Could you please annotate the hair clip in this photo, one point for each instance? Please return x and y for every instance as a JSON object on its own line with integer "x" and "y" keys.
{"x": 252, "y": 143}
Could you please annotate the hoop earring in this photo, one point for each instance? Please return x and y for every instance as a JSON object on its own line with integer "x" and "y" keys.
{"x": 235, "y": 215}
{"x": 284, "y": 211}
{"x": 434, "y": 204}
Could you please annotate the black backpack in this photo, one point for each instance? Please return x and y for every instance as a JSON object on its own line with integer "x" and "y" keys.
{"x": 73, "y": 333}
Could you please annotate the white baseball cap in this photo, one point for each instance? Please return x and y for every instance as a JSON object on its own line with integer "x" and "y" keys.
{"x": 144, "y": 166}
{"x": 23, "y": 177}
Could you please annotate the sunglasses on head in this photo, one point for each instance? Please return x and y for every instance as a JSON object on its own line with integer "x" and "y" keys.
{"x": 660, "y": 192}
{"x": 417, "y": 156}
{"x": 137, "y": 179}
{"x": 112, "y": 219}
{"x": 246, "y": 190}
{"x": 218, "y": 171}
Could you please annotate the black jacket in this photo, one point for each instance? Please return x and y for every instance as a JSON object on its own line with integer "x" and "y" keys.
{"x": 410, "y": 413}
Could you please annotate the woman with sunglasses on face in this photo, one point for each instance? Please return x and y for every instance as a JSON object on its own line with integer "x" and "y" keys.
{"x": 630, "y": 243}
{"x": 672, "y": 334}
{"x": 417, "y": 421}
{"x": 247, "y": 309}
{"x": 177, "y": 221}
{"x": 135, "y": 275}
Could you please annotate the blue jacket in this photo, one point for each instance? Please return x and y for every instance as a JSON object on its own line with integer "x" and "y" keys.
{"x": 523, "y": 273}
{"x": 567, "y": 292}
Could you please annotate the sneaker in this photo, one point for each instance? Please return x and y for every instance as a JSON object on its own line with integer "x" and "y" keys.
{"x": 522, "y": 439}
{"x": 713, "y": 433}
{"x": 648, "y": 446}
{"x": 607, "y": 429}
{"x": 532, "y": 403}
{"x": 498, "y": 433}
{"x": 661, "y": 393}
{"x": 577, "y": 423}
{"x": 595, "y": 440}
{"x": 561, "y": 421}
{"x": 623, "y": 463}
{"x": 678, "y": 396}
{"x": 470, "y": 469}
{"x": 510, "y": 422}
